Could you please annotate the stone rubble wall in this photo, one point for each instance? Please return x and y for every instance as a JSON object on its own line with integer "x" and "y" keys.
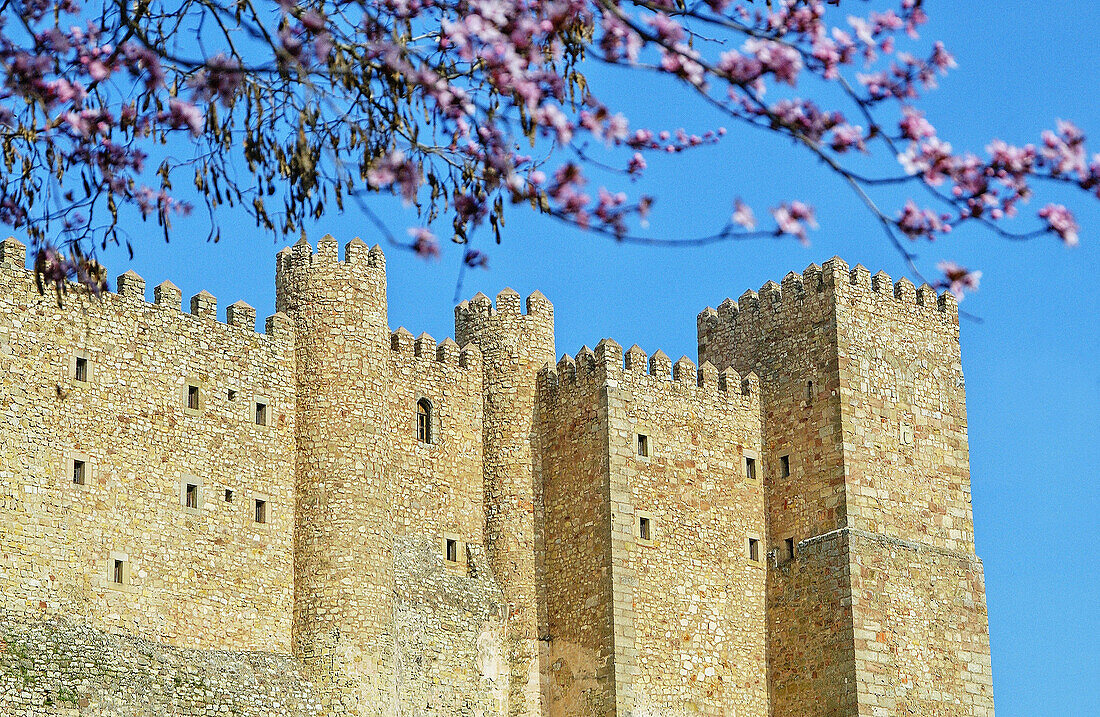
{"x": 556, "y": 603}
{"x": 204, "y": 577}
{"x": 579, "y": 674}
{"x": 672, "y": 624}
{"x": 863, "y": 391}
{"x": 514, "y": 346}
{"x": 54, "y": 667}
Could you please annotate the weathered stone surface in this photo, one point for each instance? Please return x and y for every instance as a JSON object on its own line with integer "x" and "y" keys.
{"x": 333, "y": 518}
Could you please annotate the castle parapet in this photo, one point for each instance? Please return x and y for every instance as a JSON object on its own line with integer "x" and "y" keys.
{"x": 826, "y": 287}
{"x": 608, "y": 362}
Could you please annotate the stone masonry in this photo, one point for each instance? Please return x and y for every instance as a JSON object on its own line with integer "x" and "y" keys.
{"x": 333, "y": 518}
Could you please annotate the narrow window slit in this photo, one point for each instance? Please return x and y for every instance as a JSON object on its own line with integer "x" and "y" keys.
{"x": 424, "y": 421}
{"x": 452, "y": 550}
{"x": 80, "y": 469}
{"x": 191, "y": 496}
{"x": 81, "y": 369}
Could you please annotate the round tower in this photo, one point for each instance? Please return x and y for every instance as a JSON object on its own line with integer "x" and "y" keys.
{"x": 514, "y": 346}
{"x": 343, "y": 531}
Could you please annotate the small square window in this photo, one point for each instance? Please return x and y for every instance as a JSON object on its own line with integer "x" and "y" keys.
{"x": 81, "y": 372}
{"x": 788, "y": 550}
{"x": 261, "y": 414}
{"x": 754, "y": 550}
{"x": 191, "y": 496}
{"x": 643, "y": 445}
{"x": 80, "y": 471}
{"x": 228, "y": 495}
{"x": 260, "y": 507}
{"x": 784, "y": 466}
{"x": 193, "y": 397}
{"x": 231, "y": 394}
{"x": 644, "y": 529}
{"x": 452, "y": 550}
{"x": 118, "y": 571}
{"x": 750, "y": 468}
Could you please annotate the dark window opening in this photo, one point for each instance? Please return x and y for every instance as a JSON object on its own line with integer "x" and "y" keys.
{"x": 754, "y": 550}
{"x": 231, "y": 394}
{"x": 261, "y": 414}
{"x": 784, "y": 466}
{"x": 750, "y": 468}
{"x": 193, "y": 397}
{"x": 424, "y": 421}
{"x": 228, "y": 495}
{"x": 79, "y": 471}
{"x": 809, "y": 391}
{"x": 788, "y": 549}
{"x": 191, "y": 496}
{"x": 117, "y": 572}
{"x": 261, "y": 511}
{"x": 81, "y": 369}
{"x": 643, "y": 445}
{"x": 452, "y": 550}
{"x": 644, "y": 531}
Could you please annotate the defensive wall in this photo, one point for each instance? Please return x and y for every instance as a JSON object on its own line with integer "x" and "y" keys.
{"x": 865, "y": 436}
{"x": 338, "y": 518}
{"x": 656, "y": 602}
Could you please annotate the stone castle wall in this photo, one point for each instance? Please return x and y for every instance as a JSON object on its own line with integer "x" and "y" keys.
{"x": 207, "y": 576}
{"x": 863, "y": 396}
{"x": 528, "y": 556}
{"x": 665, "y": 617}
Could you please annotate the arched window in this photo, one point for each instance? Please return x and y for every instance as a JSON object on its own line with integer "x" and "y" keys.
{"x": 424, "y": 421}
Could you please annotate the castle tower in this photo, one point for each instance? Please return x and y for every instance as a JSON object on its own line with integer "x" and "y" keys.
{"x": 514, "y": 346}
{"x": 343, "y": 530}
{"x": 876, "y": 600}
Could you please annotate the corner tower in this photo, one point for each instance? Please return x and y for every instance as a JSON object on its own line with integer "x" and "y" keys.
{"x": 875, "y": 598}
{"x": 343, "y": 565}
{"x": 514, "y": 346}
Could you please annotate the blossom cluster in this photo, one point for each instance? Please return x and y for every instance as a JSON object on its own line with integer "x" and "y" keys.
{"x": 434, "y": 100}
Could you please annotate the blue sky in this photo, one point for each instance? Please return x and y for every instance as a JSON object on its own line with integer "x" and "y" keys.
{"x": 1033, "y": 386}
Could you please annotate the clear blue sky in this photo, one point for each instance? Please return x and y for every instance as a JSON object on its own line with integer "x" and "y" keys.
{"x": 1033, "y": 386}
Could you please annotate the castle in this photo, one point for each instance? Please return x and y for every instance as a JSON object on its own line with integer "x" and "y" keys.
{"x": 331, "y": 517}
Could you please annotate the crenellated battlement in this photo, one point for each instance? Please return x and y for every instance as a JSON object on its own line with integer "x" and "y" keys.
{"x": 834, "y": 281}
{"x": 301, "y": 256}
{"x": 130, "y": 294}
{"x": 423, "y": 348}
{"x": 608, "y": 362}
{"x": 480, "y": 314}
{"x": 829, "y": 290}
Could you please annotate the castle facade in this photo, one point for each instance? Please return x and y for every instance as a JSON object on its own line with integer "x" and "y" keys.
{"x": 330, "y": 517}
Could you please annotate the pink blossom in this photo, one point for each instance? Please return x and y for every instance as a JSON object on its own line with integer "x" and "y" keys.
{"x": 914, "y": 126}
{"x": 424, "y": 243}
{"x": 959, "y": 279}
{"x": 1060, "y": 221}
{"x": 743, "y": 216}
{"x": 793, "y": 218}
{"x": 185, "y": 114}
{"x": 918, "y": 223}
